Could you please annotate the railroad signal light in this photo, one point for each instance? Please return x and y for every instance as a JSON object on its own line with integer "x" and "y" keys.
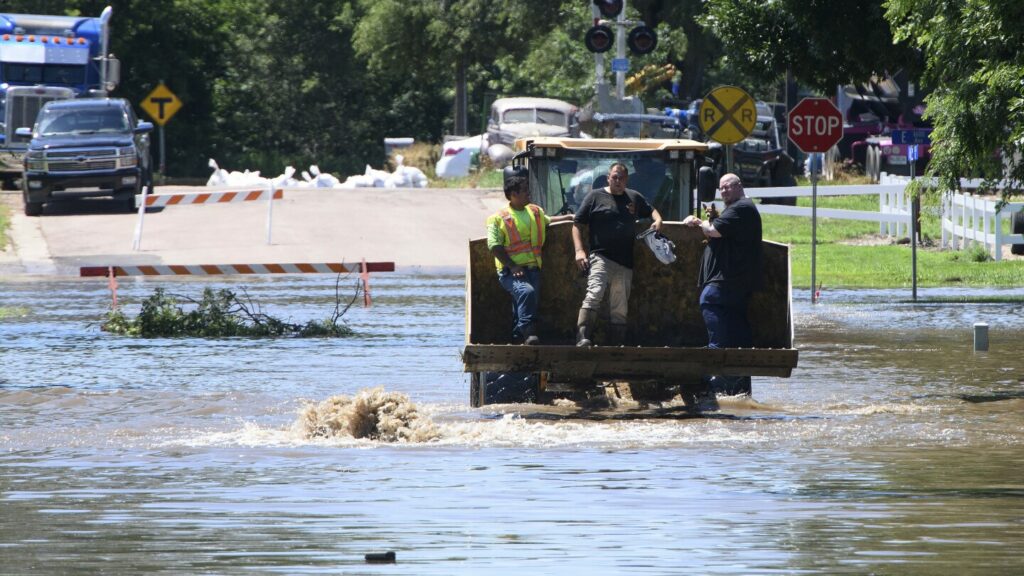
{"x": 599, "y": 39}
{"x": 609, "y": 8}
{"x": 642, "y": 40}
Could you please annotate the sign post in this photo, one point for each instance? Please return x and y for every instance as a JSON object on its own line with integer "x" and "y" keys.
{"x": 913, "y": 139}
{"x": 915, "y": 208}
{"x": 727, "y": 115}
{"x": 815, "y": 125}
{"x": 161, "y": 104}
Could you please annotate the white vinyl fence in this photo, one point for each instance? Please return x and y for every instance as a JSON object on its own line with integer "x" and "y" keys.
{"x": 893, "y": 215}
{"x": 965, "y": 218}
{"x": 968, "y": 220}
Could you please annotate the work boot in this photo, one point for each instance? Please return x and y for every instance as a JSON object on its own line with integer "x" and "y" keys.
{"x": 530, "y": 335}
{"x": 617, "y": 334}
{"x": 585, "y": 327}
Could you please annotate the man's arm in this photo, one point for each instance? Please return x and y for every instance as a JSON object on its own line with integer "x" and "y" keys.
{"x": 657, "y": 219}
{"x": 705, "y": 226}
{"x": 577, "y": 241}
{"x": 502, "y": 256}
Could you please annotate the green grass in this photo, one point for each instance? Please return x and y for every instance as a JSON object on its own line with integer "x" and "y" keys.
{"x": 840, "y": 262}
{"x": 12, "y": 311}
{"x": 483, "y": 178}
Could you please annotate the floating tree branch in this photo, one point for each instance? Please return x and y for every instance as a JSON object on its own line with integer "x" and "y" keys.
{"x": 223, "y": 313}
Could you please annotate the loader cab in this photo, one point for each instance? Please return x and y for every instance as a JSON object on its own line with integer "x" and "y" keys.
{"x": 666, "y": 172}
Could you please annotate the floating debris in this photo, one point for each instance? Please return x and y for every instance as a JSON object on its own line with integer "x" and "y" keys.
{"x": 380, "y": 557}
{"x": 373, "y": 414}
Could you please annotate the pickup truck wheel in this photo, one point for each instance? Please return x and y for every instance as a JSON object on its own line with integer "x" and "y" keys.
{"x": 782, "y": 175}
{"x": 128, "y": 201}
{"x": 1017, "y": 227}
{"x": 33, "y": 208}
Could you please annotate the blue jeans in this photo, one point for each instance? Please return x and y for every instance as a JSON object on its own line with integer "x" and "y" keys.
{"x": 725, "y": 315}
{"x": 525, "y": 293}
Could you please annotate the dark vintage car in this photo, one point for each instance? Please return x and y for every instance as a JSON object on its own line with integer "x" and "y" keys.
{"x": 86, "y": 147}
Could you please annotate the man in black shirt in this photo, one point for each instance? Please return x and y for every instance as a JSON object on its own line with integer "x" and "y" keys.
{"x": 730, "y": 270}
{"x": 731, "y": 266}
{"x": 610, "y": 215}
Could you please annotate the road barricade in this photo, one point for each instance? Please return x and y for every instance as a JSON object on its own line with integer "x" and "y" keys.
{"x": 363, "y": 268}
{"x": 215, "y": 196}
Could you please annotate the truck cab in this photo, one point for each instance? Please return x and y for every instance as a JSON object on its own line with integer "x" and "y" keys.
{"x": 86, "y": 147}
{"x": 665, "y": 347}
{"x": 45, "y": 58}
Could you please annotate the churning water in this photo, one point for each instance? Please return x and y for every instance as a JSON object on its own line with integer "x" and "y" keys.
{"x": 893, "y": 449}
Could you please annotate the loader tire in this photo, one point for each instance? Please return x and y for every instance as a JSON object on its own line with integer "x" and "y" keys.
{"x": 1017, "y": 227}
{"x": 503, "y": 388}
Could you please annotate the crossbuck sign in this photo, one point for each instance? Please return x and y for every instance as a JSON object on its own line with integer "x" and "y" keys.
{"x": 727, "y": 114}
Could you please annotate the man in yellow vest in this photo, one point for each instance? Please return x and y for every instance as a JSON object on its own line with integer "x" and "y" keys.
{"x": 515, "y": 235}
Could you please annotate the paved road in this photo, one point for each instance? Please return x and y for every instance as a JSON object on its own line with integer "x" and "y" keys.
{"x": 425, "y": 228}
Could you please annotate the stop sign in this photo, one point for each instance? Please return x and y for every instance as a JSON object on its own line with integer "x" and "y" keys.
{"x": 815, "y": 125}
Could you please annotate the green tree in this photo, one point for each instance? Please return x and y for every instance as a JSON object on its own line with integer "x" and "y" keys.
{"x": 432, "y": 48}
{"x": 695, "y": 51}
{"x": 974, "y": 53}
{"x": 295, "y": 93}
{"x": 185, "y": 43}
{"x": 822, "y": 43}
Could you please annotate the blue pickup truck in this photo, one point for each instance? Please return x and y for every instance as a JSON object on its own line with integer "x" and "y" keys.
{"x": 86, "y": 147}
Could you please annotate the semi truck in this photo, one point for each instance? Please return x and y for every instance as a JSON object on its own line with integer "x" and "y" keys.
{"x": 664, "y": 353}
{"x": 44, "y": 58}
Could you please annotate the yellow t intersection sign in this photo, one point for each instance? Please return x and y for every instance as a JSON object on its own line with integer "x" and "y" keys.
{"x": 161, "y": 104}
{"x": 727, "y": 114}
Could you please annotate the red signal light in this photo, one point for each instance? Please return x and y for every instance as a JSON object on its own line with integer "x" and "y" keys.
{"x": 642, "y": 40}
{"x": 609, "y": 8}
{"x": 599, "y": 39}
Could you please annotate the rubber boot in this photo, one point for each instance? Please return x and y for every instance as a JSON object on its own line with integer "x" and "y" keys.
{"x": 617, "y": 334}
{"x": 530, "y": 335}
{"x": 585, "y": 326}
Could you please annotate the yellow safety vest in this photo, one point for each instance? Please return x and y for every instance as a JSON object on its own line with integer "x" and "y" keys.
{"x": 517, "y": 248}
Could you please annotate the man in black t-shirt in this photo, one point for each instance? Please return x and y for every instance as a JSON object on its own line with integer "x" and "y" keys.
{"x": 730, "y": 267}
{"x": 610, "y": 215}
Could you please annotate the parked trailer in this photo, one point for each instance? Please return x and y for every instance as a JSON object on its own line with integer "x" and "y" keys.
{"x": 664, "y": 352}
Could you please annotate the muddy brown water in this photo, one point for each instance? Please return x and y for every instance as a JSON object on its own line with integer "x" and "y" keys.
{"x": 893, "y": 449}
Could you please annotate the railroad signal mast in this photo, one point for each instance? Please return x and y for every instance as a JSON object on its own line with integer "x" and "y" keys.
{"x": 609, "y": 28}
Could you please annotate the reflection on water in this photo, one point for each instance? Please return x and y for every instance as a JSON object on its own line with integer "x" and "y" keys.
{"x": 893, "y": 449}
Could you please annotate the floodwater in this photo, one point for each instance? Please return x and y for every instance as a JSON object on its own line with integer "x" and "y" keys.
{"x": 893, "y": 448}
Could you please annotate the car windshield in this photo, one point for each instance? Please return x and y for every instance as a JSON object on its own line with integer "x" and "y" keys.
{"x": 82, "y": 121}
{"x": 523, "y": 115}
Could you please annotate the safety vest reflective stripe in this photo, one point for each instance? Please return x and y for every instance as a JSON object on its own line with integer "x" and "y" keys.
{"x": 516, "y": 244}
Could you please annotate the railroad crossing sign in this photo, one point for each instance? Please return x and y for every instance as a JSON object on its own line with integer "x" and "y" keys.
{"x": 815, "y": 125}
{"x": 727, "y": 114}
{"x": 161, "y": 104}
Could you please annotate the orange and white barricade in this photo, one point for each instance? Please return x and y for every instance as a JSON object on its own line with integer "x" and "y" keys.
{"x": 212, "y": 196}
{"x": 364, "y": 268}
